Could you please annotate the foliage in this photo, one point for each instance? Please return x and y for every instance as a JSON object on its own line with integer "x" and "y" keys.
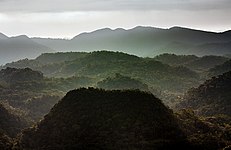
{"x": 10, "y": 124}
{"x": 210, "y": 98}
{"x": 98, "y": 119}
{"x": 199, "y": 64}
{"x": 103, "y": 64}
{"x": 205, "y": 132}
{"x": 5, "y": 142}
{"x": 175, "y": 60}
{"x": 120, "y": 82}
{"x": 220, "y": 69}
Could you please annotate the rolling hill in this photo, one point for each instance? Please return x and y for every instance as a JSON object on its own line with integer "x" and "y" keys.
{"x": 119, "y": 82}
{"x": 198, "y": 64}
{"x": 103, "y": 64}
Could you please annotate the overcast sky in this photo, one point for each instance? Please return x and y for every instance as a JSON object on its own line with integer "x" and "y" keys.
{"x": 67, "y": 18}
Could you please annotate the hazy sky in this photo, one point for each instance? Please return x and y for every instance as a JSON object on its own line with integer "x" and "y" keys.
{"x": 67, "y": 18}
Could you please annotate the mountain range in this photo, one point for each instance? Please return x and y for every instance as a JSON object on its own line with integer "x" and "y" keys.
{"x": 19, "y": 47}
{"x": 141, "y": 41}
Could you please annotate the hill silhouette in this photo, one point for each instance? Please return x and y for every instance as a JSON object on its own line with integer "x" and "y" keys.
{"x": 2, "y": 36}
{"x": 146, "y": 41}
{"x": 98, "y": 119}
{"x": 140, "y": 41}
{"x": 15, "y": 48}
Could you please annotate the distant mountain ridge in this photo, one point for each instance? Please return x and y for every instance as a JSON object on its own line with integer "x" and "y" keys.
{"x": 3, "y": 36}
{"x": 19, "y": 47}
{"x": 141, "y": 41}
{"x": 146, "y": 41}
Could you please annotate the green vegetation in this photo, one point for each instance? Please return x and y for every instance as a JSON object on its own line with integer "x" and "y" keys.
{"x": 210, "y": 98}
{"x": 30, "y": 93}
{"x": 198, "y": 64}
{"x": 175, "y": 60}
{"x": 205, "y": 132}
{"x": 102, "y": 64}
{"x": 127, "y": 116}
{"x": 98, "y": 119}
{"x": 120, "y": 82}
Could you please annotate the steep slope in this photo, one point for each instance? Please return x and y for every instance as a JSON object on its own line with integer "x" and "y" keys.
{"x": 207, "y": 133}
{"x": 146, "y": 41}
{"x": 210, "y": 98}
{"x": 98, "y": 119}
{"x": 20, "y": 47}
{"x": 10, "y": 124}
{"x": 25, "y": 91}
{"x": 220, "y": 69}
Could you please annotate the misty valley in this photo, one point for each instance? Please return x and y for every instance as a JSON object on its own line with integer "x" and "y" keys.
{"x": 140, "y": 89}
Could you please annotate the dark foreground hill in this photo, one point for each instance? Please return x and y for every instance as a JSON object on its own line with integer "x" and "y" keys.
{"x": 210, "y": 98}
{"x": 98, "y": 119}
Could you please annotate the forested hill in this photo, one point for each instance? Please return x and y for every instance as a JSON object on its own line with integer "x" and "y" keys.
{"x": 191, "y": 61}
{"x": 220, "y": 69}
{"x": 12, "y": 75}
{"x": 98, "y": 119}
{"x": 210, "y": 98}
{"x": 120, "y": 82}
{"x": 103, "y": 64}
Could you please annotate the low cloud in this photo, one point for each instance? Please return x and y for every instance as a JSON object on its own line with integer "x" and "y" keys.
{"x": 110, "y": 5}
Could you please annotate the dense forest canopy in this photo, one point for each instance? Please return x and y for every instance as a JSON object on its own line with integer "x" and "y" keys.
{"x": 33, "y": 88}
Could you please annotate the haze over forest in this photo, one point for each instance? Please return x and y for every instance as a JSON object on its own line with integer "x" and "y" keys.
{"x": 115, "y": 75}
